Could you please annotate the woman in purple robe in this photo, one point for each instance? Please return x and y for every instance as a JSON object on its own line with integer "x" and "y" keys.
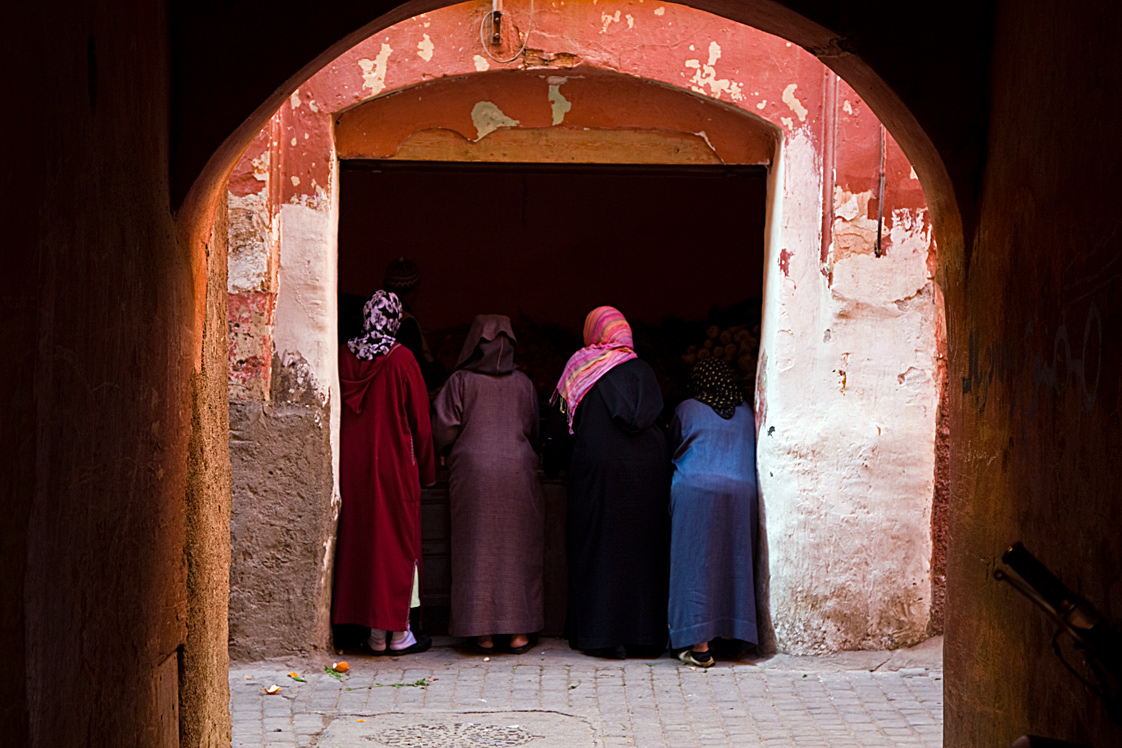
{"x": 486, "y": 420}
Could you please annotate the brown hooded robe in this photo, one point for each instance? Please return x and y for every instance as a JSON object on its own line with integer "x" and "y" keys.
{"x": 486, "y": 418}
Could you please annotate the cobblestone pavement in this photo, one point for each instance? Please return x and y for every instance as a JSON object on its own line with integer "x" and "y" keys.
{"x": 847, "y": 700}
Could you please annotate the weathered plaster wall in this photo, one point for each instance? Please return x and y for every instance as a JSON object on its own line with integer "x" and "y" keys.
{"x": 847, "y": 395}
{"x": 474, "y": 105}
{"x": 848, "y": 400}
{"x": 283, "y": 403}
{"x": 849, "y": 392}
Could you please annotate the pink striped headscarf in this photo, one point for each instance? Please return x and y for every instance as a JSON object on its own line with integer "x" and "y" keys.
{"x": 607, "y": 343}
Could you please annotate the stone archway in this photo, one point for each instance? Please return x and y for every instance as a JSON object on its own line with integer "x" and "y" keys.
{"x": 847, "y": 487}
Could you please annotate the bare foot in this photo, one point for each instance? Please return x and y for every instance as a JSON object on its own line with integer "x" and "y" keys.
{"x": 485, "y": 642}
{"x": 519, "y": 640}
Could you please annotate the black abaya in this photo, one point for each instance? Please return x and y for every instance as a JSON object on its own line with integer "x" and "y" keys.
{"x": 618, "y": 531}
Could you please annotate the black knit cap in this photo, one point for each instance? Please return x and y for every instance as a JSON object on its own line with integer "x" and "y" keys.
{"x": 401, "y": 275}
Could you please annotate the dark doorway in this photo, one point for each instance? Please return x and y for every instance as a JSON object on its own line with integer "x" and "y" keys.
{"x": 676, "y": 248}
{"x": 553, "y": 241}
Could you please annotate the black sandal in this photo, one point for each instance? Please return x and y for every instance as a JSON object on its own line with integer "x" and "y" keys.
{"x": 422, "y": 644}
{"x": 530, "y": 644}
{"x": 478, "y": 648}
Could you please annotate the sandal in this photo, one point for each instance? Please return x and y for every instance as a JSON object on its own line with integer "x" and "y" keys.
{"x": 478, "y": 648}
{"x": 422, "y": 644}
{"x": 367, "y": 649}
{"x": 531, "y": 642}
{"x": 698, "y": 659}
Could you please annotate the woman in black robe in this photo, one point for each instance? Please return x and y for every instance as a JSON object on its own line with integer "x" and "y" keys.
{"x": 618, "y": 530}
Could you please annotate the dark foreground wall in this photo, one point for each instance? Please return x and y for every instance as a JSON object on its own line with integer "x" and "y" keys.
{"x": 109, "y": 417}
{"x": 1035, "y": 375}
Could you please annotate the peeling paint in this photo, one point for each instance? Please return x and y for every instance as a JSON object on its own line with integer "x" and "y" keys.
{"x": 374, "y": 71}
{"x": 796, "y": 105}
{"x": 785, "y": 256}
{"x": 557, "y": 101}
{"x": 854, "y": 231}
{"x": 425, "y": 48}
{"x": 295, "y": 181}
{"x": 248, "y": 242}
{"x": 630, "y": 21}
{"x": 318, "y": 200}
{"x": 487, "y": 117}
{"x": 294, "y": 99}
{"x": 481, "y": 63}
{"x": 847, "y": 107}
{"x": 537, "y": 58}
{"x": 608, "y": 20}
{"x": 312, "y": 105}
{"x": 261, "y": 167}
{"x": 762, "y": 104}
{"x": 910, "y": 232}
{"x": 706, "y": 76}
{"x": 660, "y": 11}
{"x": 787, "y": 122}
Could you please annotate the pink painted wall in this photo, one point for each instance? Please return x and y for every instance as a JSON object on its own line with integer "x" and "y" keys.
{"x": 427, "y": 73}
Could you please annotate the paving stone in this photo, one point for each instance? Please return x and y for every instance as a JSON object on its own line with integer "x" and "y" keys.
{"x": 779, "y": 702}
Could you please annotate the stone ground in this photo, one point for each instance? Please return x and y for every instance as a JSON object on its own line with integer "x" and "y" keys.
{"x": 554, "y": 696}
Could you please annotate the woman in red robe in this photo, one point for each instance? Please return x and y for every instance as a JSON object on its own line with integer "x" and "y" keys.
{"x": 386, "y": 455}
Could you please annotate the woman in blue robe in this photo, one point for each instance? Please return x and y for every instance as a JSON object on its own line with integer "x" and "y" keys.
{"x": 714, "y": 515}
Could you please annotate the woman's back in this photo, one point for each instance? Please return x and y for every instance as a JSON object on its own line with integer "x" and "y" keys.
{"x": 486, "y": 417}
{"x": 491, "y": 414}
{"x": 618, "y": 527}
{"x": 709, "y": 449}
{"x": 616, "y": 421}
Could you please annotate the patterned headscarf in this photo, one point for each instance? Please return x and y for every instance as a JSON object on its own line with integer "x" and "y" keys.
{"x": 712, "y": 383}
{"x": 607, "y": 344}
{"x": 380, "y": 319}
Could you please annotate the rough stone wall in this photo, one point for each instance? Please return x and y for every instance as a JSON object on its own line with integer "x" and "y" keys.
{"x": 282, "y": 516}
{"x": 204, "y": 694}
{"x": 1035, "y": 389}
